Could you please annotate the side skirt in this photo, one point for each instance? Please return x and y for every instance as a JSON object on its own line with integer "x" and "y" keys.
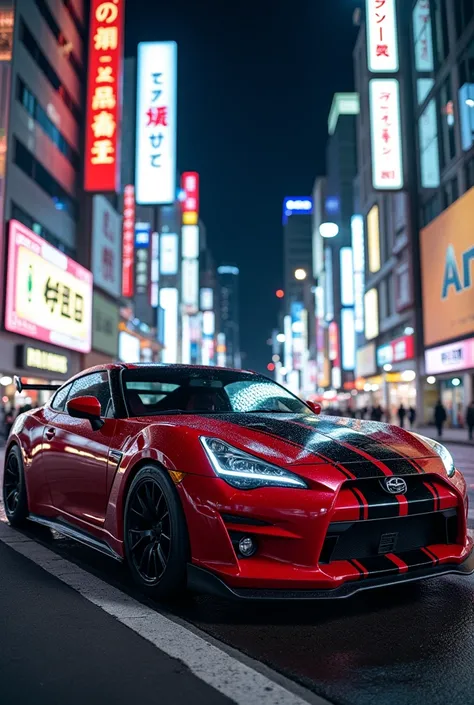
{"x": 72, "y": 532}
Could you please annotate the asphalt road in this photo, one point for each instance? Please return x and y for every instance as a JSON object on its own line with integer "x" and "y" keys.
{"x": 391, "y": 647}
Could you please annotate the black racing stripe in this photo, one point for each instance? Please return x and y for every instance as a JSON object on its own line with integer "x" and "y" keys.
{"x": 381, "y": 504}
{"x": 420, "y": 499}
{"x": 416, "y": 557}
{"x": 307, "y": 438}
{"x": 354, "y": 565}
{"x": 376, "y": 449}
{"x": 379, "y": 564}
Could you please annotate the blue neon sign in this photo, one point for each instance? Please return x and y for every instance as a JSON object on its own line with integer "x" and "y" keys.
{"x": 301, "y": 205}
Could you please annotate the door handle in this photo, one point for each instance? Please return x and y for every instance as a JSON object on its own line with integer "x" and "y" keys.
{"x": 50, "y": 433}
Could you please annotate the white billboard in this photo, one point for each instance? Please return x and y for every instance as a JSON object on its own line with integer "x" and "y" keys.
{"x": 382, "y": 36}
{"x": 385, "y": 134}
{"x": 106, "y": 246}
{"x": 190, "y": 241}
{"x": 155, "y": 164}
{"x": 190, "y": 284}
{"x": 169, "y": 304}
{"x": 169, "y": 253}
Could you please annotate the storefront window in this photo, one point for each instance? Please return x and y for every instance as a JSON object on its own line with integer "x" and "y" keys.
{"x": 429, "y": 149}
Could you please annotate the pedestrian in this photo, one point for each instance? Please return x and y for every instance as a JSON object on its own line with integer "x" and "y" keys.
{"x": 373, "y": 414}
{"x": 470, "y": 419}
{"x": 378, "y": 413}
{"x": 411, "y": 416}
{"x": 9, "y": 419}
{"x": 440, "y": 417}
{"x": 402, "y": 412}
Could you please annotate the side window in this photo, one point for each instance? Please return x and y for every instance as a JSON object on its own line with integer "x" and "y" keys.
{"x": 94, "y": 385}
{"x": 59, "y": 400}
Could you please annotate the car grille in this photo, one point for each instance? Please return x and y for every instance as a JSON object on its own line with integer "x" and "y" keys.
{"x": 364, "y": 539}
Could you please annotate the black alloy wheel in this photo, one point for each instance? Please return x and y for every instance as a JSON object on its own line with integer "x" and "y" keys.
{"x": 14, "y": 489}
{"x": 155, "y": 534}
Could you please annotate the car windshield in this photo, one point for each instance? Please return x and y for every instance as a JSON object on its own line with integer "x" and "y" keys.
{"x": 151, "y": 391}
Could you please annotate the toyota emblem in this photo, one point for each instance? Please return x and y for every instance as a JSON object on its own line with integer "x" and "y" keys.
{"x": 395, "y": 485}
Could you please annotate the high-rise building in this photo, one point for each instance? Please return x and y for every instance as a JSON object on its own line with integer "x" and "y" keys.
{"x": 297, "y": 246}
{"x": 48, "y": 299}
{"x": 228, "y": 280}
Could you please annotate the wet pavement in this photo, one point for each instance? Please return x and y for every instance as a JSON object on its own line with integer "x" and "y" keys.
{"x": 400, "y": 646}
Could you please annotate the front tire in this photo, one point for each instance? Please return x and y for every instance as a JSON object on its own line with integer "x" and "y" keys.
{"x": 155, "y": 534}
{"x": 14, "y": 489}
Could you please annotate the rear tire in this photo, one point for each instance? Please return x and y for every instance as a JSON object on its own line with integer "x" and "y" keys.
{"x": 15, "y": 499}
{"x": 156, "y": 539}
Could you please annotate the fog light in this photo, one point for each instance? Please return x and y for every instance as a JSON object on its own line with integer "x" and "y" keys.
{"x": 247, "y": 546}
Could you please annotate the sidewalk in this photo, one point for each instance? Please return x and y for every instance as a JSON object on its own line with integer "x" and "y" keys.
{"x": 450, "y": 435}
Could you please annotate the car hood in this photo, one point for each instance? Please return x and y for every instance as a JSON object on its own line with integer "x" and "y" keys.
{"x": 306, "y": 439}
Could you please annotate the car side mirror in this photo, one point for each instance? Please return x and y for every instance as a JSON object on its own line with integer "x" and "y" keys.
{"x": 86, "y": 408}
{"x": 314, "y": 406}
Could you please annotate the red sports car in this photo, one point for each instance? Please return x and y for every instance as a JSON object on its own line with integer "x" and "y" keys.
{"x": 222, "y": 480}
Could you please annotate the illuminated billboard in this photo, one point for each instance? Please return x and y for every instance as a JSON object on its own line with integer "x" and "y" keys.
{"x": 169, "y": 304}
{"x": 48, "y": 295}
{"x": 104, "y": 96}
{"x": 128, "y": 237}
{"x": 190, "y": 203}
{"x": 385, "y": 134}
{"x": 358, "y": 254}
{"x": 169, "y": 254}
{"x": 106, "y": 246}
{"x": 447, "y": 269}
{"x": 296, "y": 206}
{"x": 155, "y": 163}
{"x": 382, "y": 36}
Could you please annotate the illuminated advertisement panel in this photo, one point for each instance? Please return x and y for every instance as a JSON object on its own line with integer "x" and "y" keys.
{"x": 154, "y": 269}
{"x": 190, "y": 203}
{"x": 385, "y": 134}
{"x": 169, "y": 304}
{"x": 48, "y": 295}
{"x": 155, "y": 163}
{"x": 168, "y": 254}
{"x": 382, "y": 36}
{"x": 190, "y": 241}
{"x": 104, "y": 96}
{"x": 106, "y": 246}
{"x": 358, "y": 255}
{"x": 347, "y": 276}
{"x": 128, "y": 246}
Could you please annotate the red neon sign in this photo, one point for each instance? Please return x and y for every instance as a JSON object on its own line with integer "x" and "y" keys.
{"x": 104, "y": 109}
{"x": 190, "y": 186}
{"x": 128, "y": 234}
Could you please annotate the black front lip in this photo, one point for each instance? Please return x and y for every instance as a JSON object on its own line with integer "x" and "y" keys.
{"x": 200, "y": 580}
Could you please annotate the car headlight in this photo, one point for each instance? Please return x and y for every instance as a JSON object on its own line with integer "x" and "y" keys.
{"x": 244, "y": 471}
{"x": 441, "y": 450}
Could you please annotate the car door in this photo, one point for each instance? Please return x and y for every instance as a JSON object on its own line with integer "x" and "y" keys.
{"x": 77, "y": 458}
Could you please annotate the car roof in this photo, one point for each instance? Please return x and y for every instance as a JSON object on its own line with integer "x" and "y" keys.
{"x": 153, "y": 365}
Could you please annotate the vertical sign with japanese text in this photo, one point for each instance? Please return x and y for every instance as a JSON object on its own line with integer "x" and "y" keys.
{"x": 155, "y": 164}
{"x": 106, "y": 246}
{"x": 190, "y": 205}
{"x": 385, "y": 134}
{"x": 128, "y": 241}
{"x": 104, "y": 96}
{"x": 382, "y": 36}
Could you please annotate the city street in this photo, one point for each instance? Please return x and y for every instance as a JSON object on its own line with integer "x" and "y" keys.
{"x": 396, "y": 646}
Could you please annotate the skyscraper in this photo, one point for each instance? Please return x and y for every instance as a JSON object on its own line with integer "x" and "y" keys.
{"x": 228, "y": 277}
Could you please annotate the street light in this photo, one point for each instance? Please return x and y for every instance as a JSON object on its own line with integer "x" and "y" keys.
{"x": 300, "y": 274}
{"x": 281, "y": 337}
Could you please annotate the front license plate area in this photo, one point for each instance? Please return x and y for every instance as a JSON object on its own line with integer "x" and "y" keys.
{"x": 388, "y": 543}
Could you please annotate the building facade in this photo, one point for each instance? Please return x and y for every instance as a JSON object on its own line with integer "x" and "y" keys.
{"x": 47, "y": 297}
{"x": 442, "y": 61}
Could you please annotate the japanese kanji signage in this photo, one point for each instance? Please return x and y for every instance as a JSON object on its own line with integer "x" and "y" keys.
{"x": 382, "y": 37}
{"x": 190, "y": 204}
{"x": 385, "y": 133}
{"x": 49, "y": 296}
{"x": 422, "y": 36}
{"x": 106, "y": 246}
{"x": 104, "y": 95}
{"x": 128, "y": 241}
{"x": 155, "y": 164}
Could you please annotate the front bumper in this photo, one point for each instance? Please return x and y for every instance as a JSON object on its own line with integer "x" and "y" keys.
{"x": 201, "y": 580}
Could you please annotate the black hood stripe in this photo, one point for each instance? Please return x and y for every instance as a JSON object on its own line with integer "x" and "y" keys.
{"x": 330, "y": 442}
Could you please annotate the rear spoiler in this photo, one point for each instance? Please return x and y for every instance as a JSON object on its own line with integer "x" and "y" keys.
{"x": 40, "y": 387}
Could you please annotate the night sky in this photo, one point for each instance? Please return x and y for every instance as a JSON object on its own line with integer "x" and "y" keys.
{"x": 256, "y": 81}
